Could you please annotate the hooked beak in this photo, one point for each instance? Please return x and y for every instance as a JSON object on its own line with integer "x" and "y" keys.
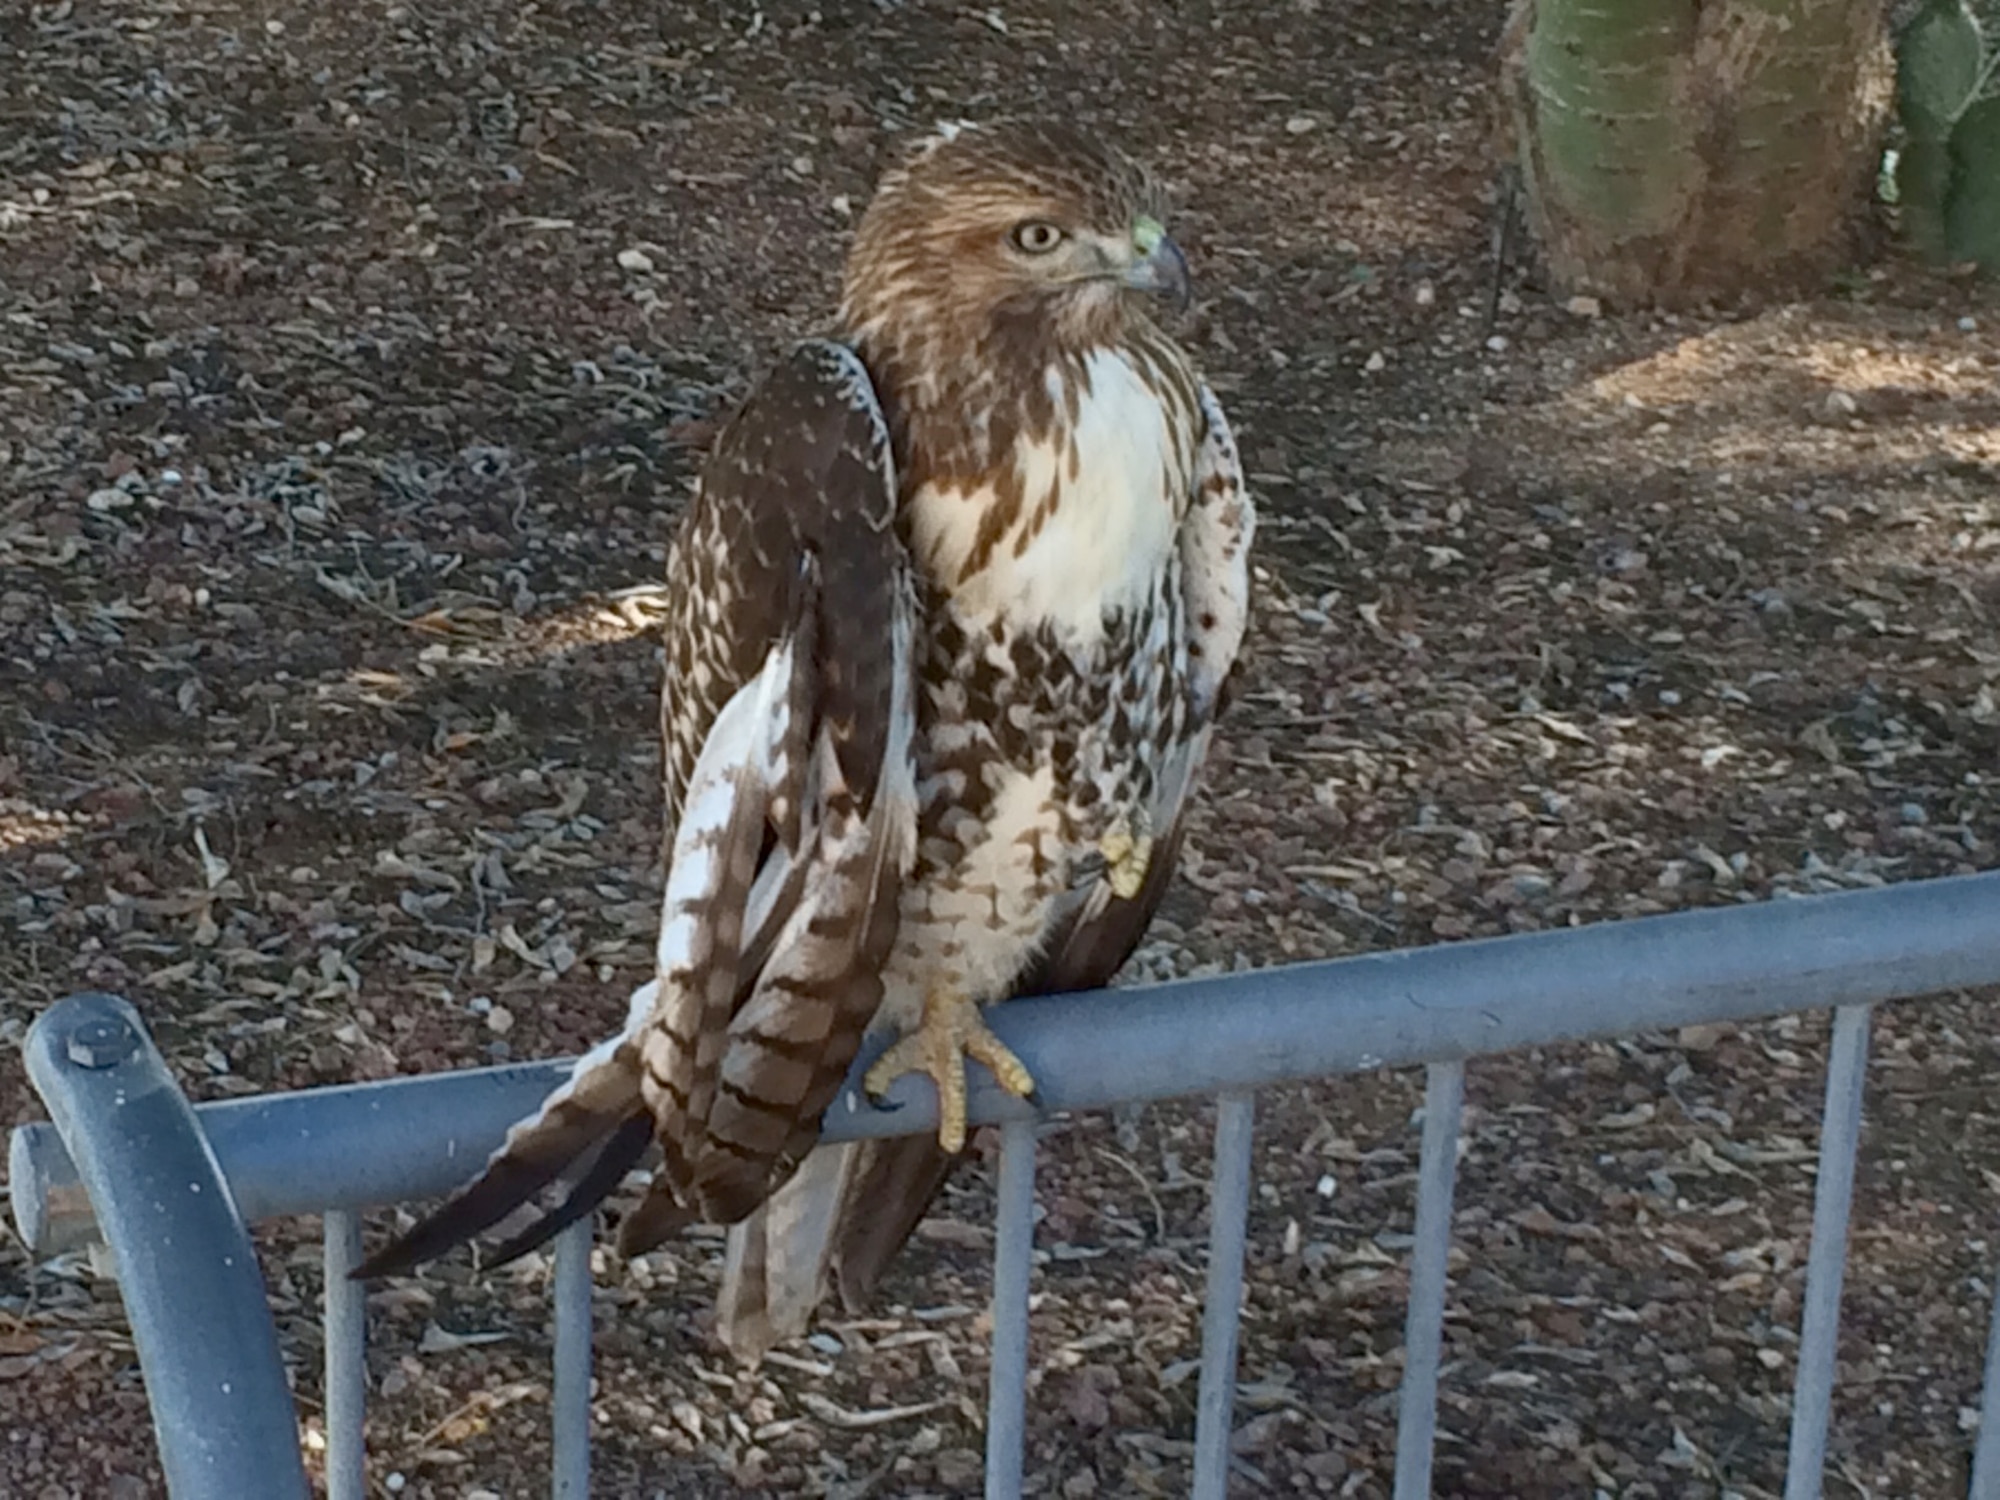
{"x": 1161, "y": 269}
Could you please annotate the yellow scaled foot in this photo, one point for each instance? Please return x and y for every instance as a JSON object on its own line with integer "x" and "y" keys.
{"x": 1127, "y": 855}
{"x": 951, "y": 1032}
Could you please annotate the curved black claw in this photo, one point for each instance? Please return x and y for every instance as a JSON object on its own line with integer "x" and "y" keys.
{"x": 882, "y": 1103}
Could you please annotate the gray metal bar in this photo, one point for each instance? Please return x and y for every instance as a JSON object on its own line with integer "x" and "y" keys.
{"x": 1221, "y": 1313}
{"x": 1986, "y": 1450}
{"x": 1826, "y": 1263}
{"x": 193, "y": 1292}
{"x": 1013, "y": 1256}
{"x": 1430, "y": 1260}
{"x": 570, "y": 1417}
{"x": 346, "y": 1360}
{"x": 423, "y": 1136}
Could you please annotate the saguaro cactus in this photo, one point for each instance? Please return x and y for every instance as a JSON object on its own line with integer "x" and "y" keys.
{"x": 1948, "y": 172}
{"x": 1678, "y": 149}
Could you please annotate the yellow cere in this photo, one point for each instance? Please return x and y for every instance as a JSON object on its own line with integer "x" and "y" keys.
{"x": 1147, "y": 232}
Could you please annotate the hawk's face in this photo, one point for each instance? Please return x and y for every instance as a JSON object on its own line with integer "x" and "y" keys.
{"x": 1006, "y": 238}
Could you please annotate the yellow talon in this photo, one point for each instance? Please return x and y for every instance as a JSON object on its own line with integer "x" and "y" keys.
{"x": 1126, "y": 858}
{"x": 950, "y": 1033}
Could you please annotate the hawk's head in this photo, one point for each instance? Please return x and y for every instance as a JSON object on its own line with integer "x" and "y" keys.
{"x": 1006, "y": 239}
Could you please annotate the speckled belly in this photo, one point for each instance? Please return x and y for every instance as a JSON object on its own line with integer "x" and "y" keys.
{"x": 1029, "y": 752}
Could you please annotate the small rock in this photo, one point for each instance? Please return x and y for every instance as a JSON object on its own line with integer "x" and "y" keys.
{"x": 1324, "y": 1465}
{"x": 1584, "y": 307}
{"x": 1376, "y": 362}
{"x": 636, "y": 261}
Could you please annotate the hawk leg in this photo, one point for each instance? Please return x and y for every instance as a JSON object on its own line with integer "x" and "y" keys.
{"x": 951, "y": 1032}
{"x": 1127, "y": 851}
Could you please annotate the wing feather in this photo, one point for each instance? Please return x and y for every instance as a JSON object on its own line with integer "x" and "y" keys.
{"x": 791, "y": 806}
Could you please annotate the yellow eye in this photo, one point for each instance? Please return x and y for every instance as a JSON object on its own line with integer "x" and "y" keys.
{"x": 1036, "y": 237}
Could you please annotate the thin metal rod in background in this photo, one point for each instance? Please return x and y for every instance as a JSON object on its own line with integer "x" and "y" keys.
{"x": 1826, "y": 1263}
{"x": 346, "y": 1360}
{"x": 1986, "y": 1455}
{"x": 1228, "y": 1228}
{"x": 1430, "y": 1261}
{"x": 571, "y": 1403}
{"x": 222, "y": 1409}
{"x": 1013, "y": 1256}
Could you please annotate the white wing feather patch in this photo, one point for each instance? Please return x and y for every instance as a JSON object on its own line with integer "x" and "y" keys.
{"x": 1215, "y": 557}
{"x": 742, "y": 757}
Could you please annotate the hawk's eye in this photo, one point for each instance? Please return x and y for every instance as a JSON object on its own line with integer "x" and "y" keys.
{"x": 1036, "y": 237}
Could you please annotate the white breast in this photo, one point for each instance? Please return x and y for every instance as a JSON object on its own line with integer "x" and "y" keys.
{"x": 1100, "y": 506}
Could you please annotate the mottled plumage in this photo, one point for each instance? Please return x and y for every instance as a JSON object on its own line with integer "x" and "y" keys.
{"x": 950, "y": 619}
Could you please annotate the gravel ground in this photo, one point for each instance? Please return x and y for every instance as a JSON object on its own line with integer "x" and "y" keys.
{"x": 353, "y": 363}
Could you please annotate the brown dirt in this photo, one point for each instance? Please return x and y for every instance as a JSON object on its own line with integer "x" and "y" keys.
{"x": 332, "y": 427}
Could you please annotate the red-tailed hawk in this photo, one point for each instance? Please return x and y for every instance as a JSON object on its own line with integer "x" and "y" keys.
{"x": 951, "y": 614}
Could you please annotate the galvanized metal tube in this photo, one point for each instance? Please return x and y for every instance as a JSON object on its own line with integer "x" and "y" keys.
{"x": 423, "y": 1136}
{"x": 346, "y": 1329}
{"x": 1986, "y": 1450}
{"x": 570, "y": 1415}
{"x": 221, "y": 1407}
{"x": 1430, "y": 1260}
{"x": 1826, "y": 1263}
{"x": 1221, "y": 1314}
{"x": 1013, "y": 1257}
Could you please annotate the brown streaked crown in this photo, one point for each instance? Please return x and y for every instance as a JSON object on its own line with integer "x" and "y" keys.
{"x": 944, "y": 304}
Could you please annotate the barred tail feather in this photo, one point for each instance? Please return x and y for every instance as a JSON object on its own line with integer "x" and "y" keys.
{"x": 590, "y": 1106}
{"x": 776, "y": 1266}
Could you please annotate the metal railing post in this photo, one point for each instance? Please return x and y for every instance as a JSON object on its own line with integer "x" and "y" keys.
{"x": 1222, "y": 1311}
{"x": 1013, "y": 1257}
{"x": 346, "y": 1331}
{"x": 1430, "y": 1263}
{"x": 222, "y": 1408}
{"x": 570, "y": 1418}
{"x": 1986, "y": 1449}
{"x": 1826, "y": 1262}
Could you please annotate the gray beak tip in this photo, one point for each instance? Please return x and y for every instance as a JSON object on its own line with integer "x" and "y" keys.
{"x": 1164, "y": 272}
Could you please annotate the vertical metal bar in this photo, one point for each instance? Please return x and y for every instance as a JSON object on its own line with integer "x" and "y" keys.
{"x": 1826, "y": 1264}
{"x": 346, "y": 1327}
{"x": 1228, "y": 1227}
{"x": 1430, "y": 1260}
{"x": 1986, "y": 1452}
{"x": 222, "y": 1410}
{"x": 570, "y": 1417}
{"x": 1013, "y": 1255}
